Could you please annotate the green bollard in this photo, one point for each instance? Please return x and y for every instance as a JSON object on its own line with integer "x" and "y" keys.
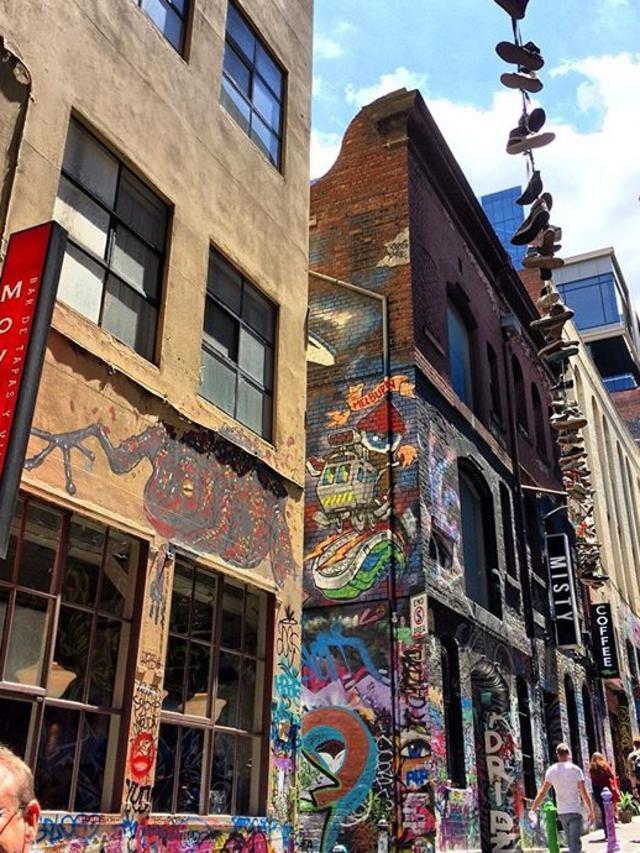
{"x": 550, "y": 815}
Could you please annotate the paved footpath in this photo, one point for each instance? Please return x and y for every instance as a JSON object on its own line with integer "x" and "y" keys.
{"x": 628, "y": 838}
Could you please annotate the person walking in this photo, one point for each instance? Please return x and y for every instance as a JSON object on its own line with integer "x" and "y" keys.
{"x": 602, "y": 776}
{"x": 633, "y": 768}
{"x": 19, "y": 809}
{"x": 567, "y": 781}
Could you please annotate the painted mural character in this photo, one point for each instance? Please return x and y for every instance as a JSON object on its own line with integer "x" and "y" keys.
{"x": 19, "y": 809}
{"x": 203, "y": 492}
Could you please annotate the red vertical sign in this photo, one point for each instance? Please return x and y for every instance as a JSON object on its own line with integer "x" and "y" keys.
{"x": 19, "y": 291}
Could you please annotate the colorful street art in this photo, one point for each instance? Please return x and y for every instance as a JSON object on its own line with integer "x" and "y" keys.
{"x": 203, "y": 492}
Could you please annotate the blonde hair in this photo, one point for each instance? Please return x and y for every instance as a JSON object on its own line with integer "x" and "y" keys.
{"x": 598, "y": 761}
{"x": 22, "y": 776}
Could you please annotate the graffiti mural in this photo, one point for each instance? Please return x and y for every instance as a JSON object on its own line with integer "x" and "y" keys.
{"x": 202, "y": 492}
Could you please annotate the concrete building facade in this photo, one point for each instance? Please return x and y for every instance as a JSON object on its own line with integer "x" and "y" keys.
{"x": 432, "y": 687}
{"x": 150, "y": 600}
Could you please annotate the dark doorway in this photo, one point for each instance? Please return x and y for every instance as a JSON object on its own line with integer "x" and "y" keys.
{"x": 587, "y": 703}
{"x": 574, "y": 725}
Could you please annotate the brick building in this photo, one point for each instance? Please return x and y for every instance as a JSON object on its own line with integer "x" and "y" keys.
{"x": 150, "y": 599}
{"x": 430, "y": 470}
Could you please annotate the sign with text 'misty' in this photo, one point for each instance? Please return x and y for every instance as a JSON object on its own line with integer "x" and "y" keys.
{"x": 563, "y": 592}
{"x": 604, "y": 641}
{"x": 27, "y": 294}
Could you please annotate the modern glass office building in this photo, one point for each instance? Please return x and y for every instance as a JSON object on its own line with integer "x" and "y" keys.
{"x": 506, "y": 217}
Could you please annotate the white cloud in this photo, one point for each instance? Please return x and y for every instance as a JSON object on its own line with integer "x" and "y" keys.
{"x": 346, "y": 27}
{"x": 325, "y": 147}
{"x": 594, "y": 176}
{"x": 326, "y": 48}
{"x": 398, "y": 79}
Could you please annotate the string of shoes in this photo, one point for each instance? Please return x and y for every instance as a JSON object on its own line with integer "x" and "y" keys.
{"x": 543, "y": 241}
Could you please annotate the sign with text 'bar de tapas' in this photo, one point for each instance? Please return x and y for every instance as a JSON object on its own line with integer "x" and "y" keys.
{"x": 28, "y": 289}
{"x": 563, "y": 592}
{"x": 604, "y": 641}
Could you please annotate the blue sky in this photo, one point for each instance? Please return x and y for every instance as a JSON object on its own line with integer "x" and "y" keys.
{"x": 446, "y": 48}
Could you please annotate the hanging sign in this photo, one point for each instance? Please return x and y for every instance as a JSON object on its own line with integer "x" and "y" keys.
{"x": 418, "y": 615}
{"x": 27, "y": 294}
{"x": 563, "y": 591}
{"x": 604, "y": 641}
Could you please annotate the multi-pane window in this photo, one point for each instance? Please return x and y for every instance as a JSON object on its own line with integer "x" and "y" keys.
{"x": 67, "y": 592}
{"x": 212, "y": 734}
{"x": 170, "y": 17}
{"x": 478, "y": 540}
{"x": 520, "y": 395}
{"x": 494, "y": 384}
{"x": 253, "y": 86}
{"x": 113, "y": 266}
{"x": 594, "y": 300}
{"x": 459, "y": 355}
{"x": 237, "y": 348}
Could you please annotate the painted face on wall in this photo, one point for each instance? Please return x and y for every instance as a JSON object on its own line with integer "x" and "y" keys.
{"x": 415, "y": 758}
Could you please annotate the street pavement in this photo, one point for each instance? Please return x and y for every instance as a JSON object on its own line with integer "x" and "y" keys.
{"x": 628, "y": 838}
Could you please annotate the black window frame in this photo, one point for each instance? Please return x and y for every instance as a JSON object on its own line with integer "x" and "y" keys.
{"x": 116, "y": 221}
{"x": 494, "y": 387}
{"x": 526, "y": 738}
{"x": 520, "y": 396}
{"x": 452, "y": 707}
{"x": 183, "y": 17}
{"x": 236, "y": 317}
{"x": 539, "y": 423}
{"x": 250, "y": 64}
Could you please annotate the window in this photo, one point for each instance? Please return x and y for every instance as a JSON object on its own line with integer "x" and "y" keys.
{"x": 113, "y": 266}
{"x": 593, "y": 299}
{"x": 526, "y": 739}
{"x": 623, "y": 382}
{"x": 520, "y": 396}
{"x": 253, "y": 86}
{"x": 574, "y": 722}
{"x": 459, "y": 355}
{"x": 67, "y": 592}
{"x": 508, "y": 531}
{"x": 213, "y": 713}
{"x": 538, "y": 420}
{"x": 170, "y": 17}
{"x": 237, "y": 348}
{"x": 494, "y": 385}
{"x": 478, "y": 541}
{"x": 454, "y": 730}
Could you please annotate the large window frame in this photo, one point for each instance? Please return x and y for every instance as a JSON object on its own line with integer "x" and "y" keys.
{"x": 91, "y": 206}
{"x": 174, "y": 10}
{"x": 236, "y": 302}
{"x": 459, "y": 352}
{"x": 191, "y": 774}
{"x": 81, "y": 679}
{"x": 452, "y": 707}
{"x": 253, "y": 83}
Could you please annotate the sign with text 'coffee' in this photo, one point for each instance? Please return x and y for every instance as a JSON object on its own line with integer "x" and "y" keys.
{"x": 563, "y": 591}
{"x": 604, "y": 641}
{"x": 27, "y": 294}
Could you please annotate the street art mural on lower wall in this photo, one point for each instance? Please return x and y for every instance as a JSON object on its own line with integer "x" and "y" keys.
{"x": 361, "y": 460}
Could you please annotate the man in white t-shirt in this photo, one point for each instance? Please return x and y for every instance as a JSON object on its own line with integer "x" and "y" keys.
{"x": 567, "y": 781}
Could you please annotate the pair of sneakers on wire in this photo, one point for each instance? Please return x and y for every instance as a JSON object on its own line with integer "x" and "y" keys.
{"x": 528, "y": 59}
{"x": 526, "y": 136}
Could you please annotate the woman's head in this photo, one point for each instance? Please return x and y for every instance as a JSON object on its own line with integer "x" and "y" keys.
{"x": 598, "y": 760}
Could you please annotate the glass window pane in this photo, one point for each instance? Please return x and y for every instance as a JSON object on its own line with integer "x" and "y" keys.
{"x": 41, "y": 533}
{"x": 15, "y": 721}
{"x": 254, "y": 408}
{"x": 137, "y": 264}
{"x": 85, "y": 220}
{"x": 25, "y": 653}
{"x": 237, "y": 70}
{"x": 225, "y": 282}
{"x": 218, "y": 382}
{"x": 255, "y": 623}
{"x": 67, "y": 678}
{"x": 221, "y": 790}
{"x": 226, "y": 708}
{"x": 221, "y": 330}
{"x": 190, "y": 780}
{"x": 197, "y": 698}
{"x": 255, "y": 358}
{"x": 142, "y": 210}
{"x": 259, "y": 313}
{"x": 240, "y": 32}
{"x": 104, "y": 661}
{"x": 266, "y": 104}
{"x": 166, "y": 20}
{"x": 265, "y": 139}
{"x": 181, "y": 598}
{"x": 204, "y": 602}
{"x": 235, "y": 104}
{"x": 90, "y": 163}
{"x": 56, "y": 754}
{"x": 119, "y": 579}
{"x": 6, "y": 565}
{"x": 129, "y": 318}
{"x": 82, "y": 562}
{"x": 174, "y": 674}
{"x": 232, "y": 608}
{"x": 247, "y": 776}
{"x": 251, "y": 710}
{"x": 4, "y": 603}
{"x": 269, "y": 71}
{"x": 91, "y": 767}
{"x": 162, "y": 798}
{"x": 81, "y": 283}
{"x": 459, "y": 355}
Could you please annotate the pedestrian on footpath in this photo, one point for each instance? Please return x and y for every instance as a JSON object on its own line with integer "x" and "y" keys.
{"x": 633, "y": 768}
{"x": 567, "y": 781}
{"x": 19, "y": 809}
{"x": 602, "y": 776}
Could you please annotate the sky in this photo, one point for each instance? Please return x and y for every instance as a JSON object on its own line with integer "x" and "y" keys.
{"x": 446, "y": 49}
